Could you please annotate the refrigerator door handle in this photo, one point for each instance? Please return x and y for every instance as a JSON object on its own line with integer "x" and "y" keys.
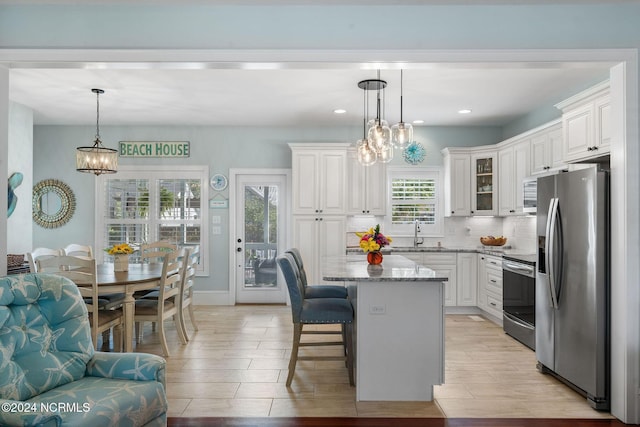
{"x": 550, "y": 250}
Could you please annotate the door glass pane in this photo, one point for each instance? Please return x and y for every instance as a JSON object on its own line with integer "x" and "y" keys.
{"x": 261, "y": 235}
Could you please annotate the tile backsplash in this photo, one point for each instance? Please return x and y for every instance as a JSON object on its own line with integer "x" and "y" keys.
{"x": 463, "y": 232}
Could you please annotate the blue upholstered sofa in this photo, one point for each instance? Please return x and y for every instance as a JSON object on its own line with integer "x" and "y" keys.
{"x": 50, "y": 374}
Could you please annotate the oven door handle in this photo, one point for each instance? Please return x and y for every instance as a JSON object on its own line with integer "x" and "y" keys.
{"x": 517, "y": 321}
{"x": 517, "y": 268}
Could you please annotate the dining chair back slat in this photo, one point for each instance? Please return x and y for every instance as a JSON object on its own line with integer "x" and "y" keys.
{"x": 40, "y": 253}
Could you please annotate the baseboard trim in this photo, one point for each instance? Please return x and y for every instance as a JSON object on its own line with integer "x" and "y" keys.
{"x": 212, "y": 298}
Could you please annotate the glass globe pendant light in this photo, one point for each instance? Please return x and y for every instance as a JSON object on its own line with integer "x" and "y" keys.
{"x": 379, "y": 132}
{"x": 401, "y": 133}
{"x": 364, "y": 153}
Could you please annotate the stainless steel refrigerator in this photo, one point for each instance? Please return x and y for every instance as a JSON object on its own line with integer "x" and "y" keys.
{"x": 572, "y": 281}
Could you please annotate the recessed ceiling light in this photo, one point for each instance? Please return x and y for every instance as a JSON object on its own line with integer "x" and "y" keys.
{"x": 418, "y": 122}
{"x": 339, "y": 111}
{"x": 464, "y": 111}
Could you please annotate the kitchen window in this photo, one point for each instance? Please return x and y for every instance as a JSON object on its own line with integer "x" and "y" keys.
{"x": 139, "y": 205}
{"x": 415, "y": 195}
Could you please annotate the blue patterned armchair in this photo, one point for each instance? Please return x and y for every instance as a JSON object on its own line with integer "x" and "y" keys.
{"x": 50, "y": 374}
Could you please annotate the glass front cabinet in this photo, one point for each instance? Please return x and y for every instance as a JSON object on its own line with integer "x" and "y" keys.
{"x": 484, "y": 182}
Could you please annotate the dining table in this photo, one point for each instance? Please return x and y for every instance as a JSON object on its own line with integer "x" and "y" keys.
{"x": 139, "y": 277}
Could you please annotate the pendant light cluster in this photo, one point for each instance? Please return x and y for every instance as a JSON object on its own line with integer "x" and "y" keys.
{"x": 379, "y": 140}
{"x": 97, "y": 159}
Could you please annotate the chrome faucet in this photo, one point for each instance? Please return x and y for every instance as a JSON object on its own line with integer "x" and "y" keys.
{"x": 416, "y": 229}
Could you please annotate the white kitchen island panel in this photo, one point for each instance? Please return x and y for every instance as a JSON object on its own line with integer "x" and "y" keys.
{"x": 399, "y": 331}
{"x": 400, "y": 340}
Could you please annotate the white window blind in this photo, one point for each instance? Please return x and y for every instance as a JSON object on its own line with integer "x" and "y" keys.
{"x": 146, "y": 205}
{"x": 414, "y": 195}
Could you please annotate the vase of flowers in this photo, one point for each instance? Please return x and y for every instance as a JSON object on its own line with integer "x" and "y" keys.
{"x": 372, "y": 242}
{"x": 120, "y": 254}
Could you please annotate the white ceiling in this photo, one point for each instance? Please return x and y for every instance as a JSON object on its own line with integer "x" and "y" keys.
{"x": 274, "y": 96}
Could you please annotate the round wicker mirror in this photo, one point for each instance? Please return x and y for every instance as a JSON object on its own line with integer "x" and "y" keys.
{"x": 53, "y": 203}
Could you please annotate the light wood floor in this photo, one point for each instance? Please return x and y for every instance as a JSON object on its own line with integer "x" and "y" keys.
{"x": 236, "y": 365}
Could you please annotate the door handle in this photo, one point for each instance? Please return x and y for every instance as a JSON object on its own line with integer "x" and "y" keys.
{"x": 239, "y": 249}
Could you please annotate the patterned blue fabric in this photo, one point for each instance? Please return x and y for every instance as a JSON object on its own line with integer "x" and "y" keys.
{"x": 50, "y": 373}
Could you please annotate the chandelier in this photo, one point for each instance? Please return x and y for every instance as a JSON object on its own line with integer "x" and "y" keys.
{"x": 97, "y": 159}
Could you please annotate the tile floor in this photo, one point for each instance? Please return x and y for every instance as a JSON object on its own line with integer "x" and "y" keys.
{"x": 236, "y": 365}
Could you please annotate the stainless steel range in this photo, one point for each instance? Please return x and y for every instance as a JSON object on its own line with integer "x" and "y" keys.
{"x": 519, "y": 297}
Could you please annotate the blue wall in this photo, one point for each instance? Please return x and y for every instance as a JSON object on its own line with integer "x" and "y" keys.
{"x": 221, "y": 148}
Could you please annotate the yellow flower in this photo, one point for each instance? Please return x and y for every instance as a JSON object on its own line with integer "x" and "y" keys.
{"x": 121, "y": 249}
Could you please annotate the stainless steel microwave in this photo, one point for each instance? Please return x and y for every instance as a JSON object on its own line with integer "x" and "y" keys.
{"x": 530, "y": 194}
{"x": 530, "y": 184}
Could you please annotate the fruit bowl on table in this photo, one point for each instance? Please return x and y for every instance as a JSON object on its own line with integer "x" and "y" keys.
{"x": 493, "y": 241}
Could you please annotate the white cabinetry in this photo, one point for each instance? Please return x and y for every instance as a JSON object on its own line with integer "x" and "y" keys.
{"x": 470, "y": 181}
{"x": 317, "y": 237}
{"x": 514, "y": 166}
{"x": 319, "y": 178}
{"x": 444, "y": 264}
{"x": 467, "y": 279}
{"x": 484, "y": 183}
{"x": 319, "y": 203}
{"x": 490, "y": 285}
{"x": 366, "y": 187}
{"x": 461, "y": 270}
{"x": 547, "y": 149}
{"x": 457, "y": 183}
{"x": 586, "y": 124}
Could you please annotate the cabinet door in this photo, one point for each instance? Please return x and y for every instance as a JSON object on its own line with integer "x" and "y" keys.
{"x": 356, "y": 184}
{"x": 332, "y": 182}
{"x": 305, "y": 182}
{"x": 376, "y": 189}
{"x": 506, "y": 173}
{"x": 467, "y": 279}
{"x": 557, "y": 147}
{"x": 331, "y": 239}
{"x": 578, "y": 132}
{"x": 317, "y": 237}
{"x": 458, "y": 185}
{"x": 448, "y": 271}
{"x": 521, "y": 170}
{"x": 541, "y": 153}
{"x": 482, "y": 275}
{"x": 484, "y": 184}
{"x": 603, "y": 125}
{"x": 305, "y": 231}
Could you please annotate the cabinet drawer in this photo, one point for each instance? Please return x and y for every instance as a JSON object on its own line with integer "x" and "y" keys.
{"x": 494, "y": 282}
{"x": 493, "y": 262}
{"x": 494, "y": 303}
{"x": 439, "y": 258}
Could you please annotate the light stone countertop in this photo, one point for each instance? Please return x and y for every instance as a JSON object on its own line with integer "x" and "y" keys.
{"x": 394, "y": 268}
{"x": 488, "y": 250}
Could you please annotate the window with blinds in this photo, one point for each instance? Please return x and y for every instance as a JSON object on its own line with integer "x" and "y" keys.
{"x": 149, "y": 205}
{"x": 414, "y": 195}
{"x": 411, "y": 199}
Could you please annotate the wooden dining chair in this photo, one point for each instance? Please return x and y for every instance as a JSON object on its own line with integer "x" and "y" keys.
{"x": 165, "y": 306}
{"x": 77, "y": 250}
{"x": 189, "y": 265}
{"x": 316, "y": 311}
{"x": 155, "y": 251}
{"x": 40, "y": 253}
{"x": 83, "y": 273}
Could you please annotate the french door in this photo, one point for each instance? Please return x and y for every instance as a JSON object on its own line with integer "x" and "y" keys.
{"x": 260, "y": 236}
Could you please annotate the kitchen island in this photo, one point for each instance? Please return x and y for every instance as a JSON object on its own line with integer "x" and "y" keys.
{"x": 399, "y": 326}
